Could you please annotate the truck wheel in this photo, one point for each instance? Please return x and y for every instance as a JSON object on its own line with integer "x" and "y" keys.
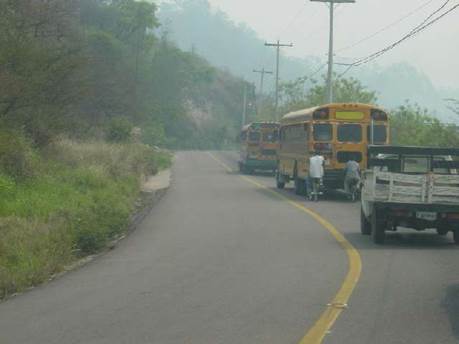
{"x": 280, "y": 183}
{"x": 378, "y": 232}
{"x": 365, "y": 225}
{"x": 456, "y": 236}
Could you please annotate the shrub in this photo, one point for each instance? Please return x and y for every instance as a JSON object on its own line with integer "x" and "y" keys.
{"x": 7, "y": 185}
{"x": 31, "y": 251}
{"x": 80, "y": 198}
{"x": 17, "y": 158}
{"x": 119, "y": 130}
{"x": 118, "y": 160}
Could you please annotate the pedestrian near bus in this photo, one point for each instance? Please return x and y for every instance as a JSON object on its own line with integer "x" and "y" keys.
{"x": 316, "y": 171}
{"x": 351, "y": 175}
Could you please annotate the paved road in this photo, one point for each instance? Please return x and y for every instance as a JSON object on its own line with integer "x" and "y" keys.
{"x": 220, "y": 260}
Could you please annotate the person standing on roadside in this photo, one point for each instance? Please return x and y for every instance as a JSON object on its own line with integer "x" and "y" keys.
{"x": 316, "y": 172}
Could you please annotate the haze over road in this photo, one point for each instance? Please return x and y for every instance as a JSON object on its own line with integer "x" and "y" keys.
{"x": 220, "y": 260}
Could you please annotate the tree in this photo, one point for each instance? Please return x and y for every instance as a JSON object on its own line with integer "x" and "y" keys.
{"x": 412, "y": 125}
{"x": 295, "y": 96}
{"x": 453, "y": 105}
{"x": 39, "y": 60}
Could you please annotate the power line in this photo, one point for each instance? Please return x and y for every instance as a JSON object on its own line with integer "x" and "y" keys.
{"x": 404, "y": 38}
{"x": 421, "y": 27}
{"x": 434, "y": 13}
{"x": 318, "y": 70}
{"x": 293, "y": 20}
{"x": 387, "y": 27}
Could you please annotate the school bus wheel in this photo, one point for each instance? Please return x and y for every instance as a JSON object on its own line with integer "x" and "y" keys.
{"x": 280, "y": 182}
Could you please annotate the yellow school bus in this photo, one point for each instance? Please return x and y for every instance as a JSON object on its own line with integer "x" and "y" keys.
{"x": 259, "y": 142}
{"x": 339, "y": 132}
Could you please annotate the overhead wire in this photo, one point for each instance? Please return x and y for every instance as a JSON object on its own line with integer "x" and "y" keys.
{"x": 387, "y": 27}
{"x": 419, "y": 28}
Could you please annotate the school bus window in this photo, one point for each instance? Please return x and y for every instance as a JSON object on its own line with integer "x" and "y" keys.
{"x": 254, "y": 136}
{"x": 380, "y": 133}
{"x": 323, "y": 132}
{"x": 270, "y": 136}
{"x": 350, "y": 133}
{"x": 296, "y": 133}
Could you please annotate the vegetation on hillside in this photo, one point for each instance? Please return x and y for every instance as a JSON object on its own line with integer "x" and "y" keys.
{"x": 74, "y": 67}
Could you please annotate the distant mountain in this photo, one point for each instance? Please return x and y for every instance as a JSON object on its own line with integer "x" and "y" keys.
{"x": 193, "y": 25}
{"x": 400, "y": 83}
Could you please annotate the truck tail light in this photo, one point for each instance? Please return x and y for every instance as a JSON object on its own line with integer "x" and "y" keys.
{"x": 452, "y": 216}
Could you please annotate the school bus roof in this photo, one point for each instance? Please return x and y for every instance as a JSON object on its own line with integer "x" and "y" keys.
{"x": 306, "y": 114}
{"x": 260, "y": 125}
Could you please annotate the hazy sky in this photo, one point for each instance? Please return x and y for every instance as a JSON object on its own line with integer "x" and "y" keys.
{"x": 435, "y": 51}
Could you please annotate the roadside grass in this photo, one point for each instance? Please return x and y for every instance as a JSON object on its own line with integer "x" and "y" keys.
{"x": 80, "y": 196}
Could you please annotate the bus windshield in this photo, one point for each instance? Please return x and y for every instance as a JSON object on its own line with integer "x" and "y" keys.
{"x": 270, "y": 136}
{"x": 254, "y": 136}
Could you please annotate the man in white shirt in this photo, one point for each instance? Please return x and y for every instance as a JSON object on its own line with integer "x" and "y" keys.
{"x": 316, "y": 172}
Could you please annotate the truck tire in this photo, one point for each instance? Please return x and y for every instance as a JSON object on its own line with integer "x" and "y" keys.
{"x": 378, "y": 231}
{"x": 280, "y": 183}
{"x": 365, "y": 225}
{"x": 456, "y": 236}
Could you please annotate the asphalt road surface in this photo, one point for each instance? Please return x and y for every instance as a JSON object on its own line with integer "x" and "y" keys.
{"x": 221, "y": 260}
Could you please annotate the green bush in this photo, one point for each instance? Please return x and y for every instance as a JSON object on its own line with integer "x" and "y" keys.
{"x": 80, "y": 198}
{"x": 7, "y": 185}
{"x": 17, "y": 158}
{"x": 119, "y": 130}
{"x": 31, "y": 251}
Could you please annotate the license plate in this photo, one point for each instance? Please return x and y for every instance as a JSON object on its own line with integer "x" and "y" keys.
{"x": 426, "y": 215}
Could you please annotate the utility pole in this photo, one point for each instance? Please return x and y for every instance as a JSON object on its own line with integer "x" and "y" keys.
{"x": 278, "y": 45}
{"x": 262, "y": 77}
{"x": 330, "y": 45}
{"x": 244, "y": 110}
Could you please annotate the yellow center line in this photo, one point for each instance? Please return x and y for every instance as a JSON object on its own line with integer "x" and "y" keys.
{"x": 317, "y": 333}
